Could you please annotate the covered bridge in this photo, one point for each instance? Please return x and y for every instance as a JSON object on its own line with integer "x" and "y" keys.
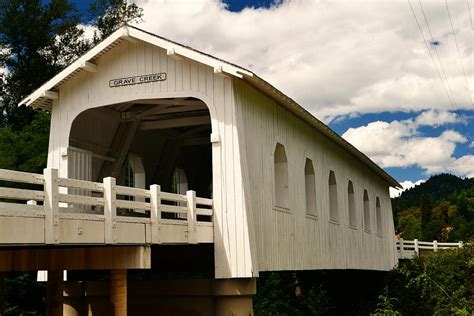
{"x": 154, "y": 144}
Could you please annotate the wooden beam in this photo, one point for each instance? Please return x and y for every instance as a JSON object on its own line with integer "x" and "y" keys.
{"x": 118, "y": 150}
{"x": 165, "y": 167}
{"x": 88, "y": 66}
{"x": 172, "y": 53}
{"x": 51, "y": 95}
{"x": 118, "y": 292}
{"x": 177, "y": 122}
{"x": 54, "y": 295}
{"x": 2, "y": 293}
{"x": 75, "y": 258}
{"x": 218, "y": 71}
{"x": 197, "y": 141}
{"x": 177, "y": 102}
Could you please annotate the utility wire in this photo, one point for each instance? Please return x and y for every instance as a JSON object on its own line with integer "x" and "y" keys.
{"x": 470, "y": 15}
{"x": 446, "y": 87}
{"x": 430, "y": 53}
{"x": 459, "y": 54}
{"x": 437, "y": 54}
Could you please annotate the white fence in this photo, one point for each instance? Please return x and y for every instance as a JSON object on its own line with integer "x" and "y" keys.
{"x": 82, "y": 212}
{"x": 408, "y": 249}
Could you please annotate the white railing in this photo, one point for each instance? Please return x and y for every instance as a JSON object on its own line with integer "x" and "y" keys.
{"x": 408, "y": 249}
{"x": 156, "y": 215}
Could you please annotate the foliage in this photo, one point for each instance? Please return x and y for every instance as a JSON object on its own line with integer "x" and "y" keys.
{"x": 33, "y": 52}
{"x": 24, "y": 295}
{"x": 436, "y": 284}
{"x": 111, "y": 14}
{"x": 440, "y": 209}
{"x": 278, "y": 293}
{"x": 385, "y": 305}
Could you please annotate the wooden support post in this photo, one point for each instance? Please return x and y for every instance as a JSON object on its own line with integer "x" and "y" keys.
{"x": 110, "y": 210}
{"x": 435, "y": 245}
{"x": 191, "y": 201}
{"x": 2, "y": 293}
{"x": 234, "y": 296}
{"x": 51, "y": 206}
{"x": 155, "y": 214}
{"x": 118, "y": 292}
{"x": 54, "y": 296}
{"x": 417, "y": 250}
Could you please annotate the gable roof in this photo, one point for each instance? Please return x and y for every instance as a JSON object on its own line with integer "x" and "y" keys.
{"x": 42, "y": 97}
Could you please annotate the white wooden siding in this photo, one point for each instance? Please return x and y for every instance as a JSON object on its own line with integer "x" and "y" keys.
{"x": 292, "y": 240}
{"x": 185, "y": 78}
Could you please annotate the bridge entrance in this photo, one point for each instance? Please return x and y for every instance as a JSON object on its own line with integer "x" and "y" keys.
{"x": 144, "y": 142}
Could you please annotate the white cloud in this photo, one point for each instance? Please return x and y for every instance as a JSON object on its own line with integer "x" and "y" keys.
{"x": 399, "y": 144}
{"x": 406, "y": 185}
{"x": 335, "y": 58}
{"x": 436, "y": 118}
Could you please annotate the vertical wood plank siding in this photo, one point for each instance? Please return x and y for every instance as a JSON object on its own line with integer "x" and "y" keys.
{"x": 185, "y": 78}
{"x": 292, "y": 240}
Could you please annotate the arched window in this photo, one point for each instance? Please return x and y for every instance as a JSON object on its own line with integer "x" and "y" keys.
{"x": 281, "y": 176}
{"x": 333, "y": 215}
{"x": 378, "y": 215}
{"x": 366, "y": 211}
{"x": 310, "y": 187}
{"x": 351, "y": 204}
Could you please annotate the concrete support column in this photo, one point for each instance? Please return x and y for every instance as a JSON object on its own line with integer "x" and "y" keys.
{"x": 234, "y": 296}
{"x": 54, "y": 294}
{"x": 2, "y": 293}
{"x": 118, "y": 292}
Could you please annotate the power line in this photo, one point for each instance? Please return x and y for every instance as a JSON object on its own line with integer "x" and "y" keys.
{"x": 446, "y": 86}
{"x": 437, "y": 54}
{"x": 431, "y": 55}
{"x": 470, "y": 15}
{"x": 459, "y": 53}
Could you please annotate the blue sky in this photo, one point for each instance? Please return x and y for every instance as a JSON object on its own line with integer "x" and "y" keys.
{"x": 363, "y": 67}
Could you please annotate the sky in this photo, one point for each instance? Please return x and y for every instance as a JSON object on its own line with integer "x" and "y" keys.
{"x": 395, "y": 78}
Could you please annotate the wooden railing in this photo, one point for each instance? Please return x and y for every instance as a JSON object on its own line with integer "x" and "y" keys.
{"x": 408, "y": 249}
{"x": 76, "y": 211}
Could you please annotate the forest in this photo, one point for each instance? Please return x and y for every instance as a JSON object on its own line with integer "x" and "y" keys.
{"x": 440, "y": 209}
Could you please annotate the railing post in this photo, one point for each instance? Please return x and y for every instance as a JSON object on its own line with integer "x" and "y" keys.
{"x": 400, "y": 242}
{"x": 51, "y": 206}
{"x": 110, "y": 210}
{"x": 417, "y": 250}
{"x": 191, "y": 201}
{"x": 155, "y": 214}
{"x": 460, "y": 244}
{"x": 435, "y": 245}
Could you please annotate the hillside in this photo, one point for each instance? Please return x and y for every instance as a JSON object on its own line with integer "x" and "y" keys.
{"x": 442, "y": 208}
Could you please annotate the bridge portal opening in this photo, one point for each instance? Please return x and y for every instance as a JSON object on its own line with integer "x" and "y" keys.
{"x": 145, "y": 142}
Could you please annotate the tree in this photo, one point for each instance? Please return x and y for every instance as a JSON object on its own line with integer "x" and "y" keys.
{"x": 35, "y": 51}
{"x": 109, "y": 15}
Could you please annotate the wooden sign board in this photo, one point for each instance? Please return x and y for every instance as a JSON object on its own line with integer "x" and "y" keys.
{"x": 137, "y": 80}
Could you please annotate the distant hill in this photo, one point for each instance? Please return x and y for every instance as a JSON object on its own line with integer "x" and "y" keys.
{"x": 436, "y": 188}
{"x": 441, "y": 208}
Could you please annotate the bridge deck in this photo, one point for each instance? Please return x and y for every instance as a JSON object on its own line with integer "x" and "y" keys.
{"x": 38, "y": 209}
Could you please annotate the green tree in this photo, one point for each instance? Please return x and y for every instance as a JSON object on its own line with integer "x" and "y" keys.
{"x": 409, "y": 223}
{"x": 37, "y": 39}
{"x": 109, "y": 15}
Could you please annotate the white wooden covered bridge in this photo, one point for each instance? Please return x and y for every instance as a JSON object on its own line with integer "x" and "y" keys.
{"x": 155, "y": 143}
